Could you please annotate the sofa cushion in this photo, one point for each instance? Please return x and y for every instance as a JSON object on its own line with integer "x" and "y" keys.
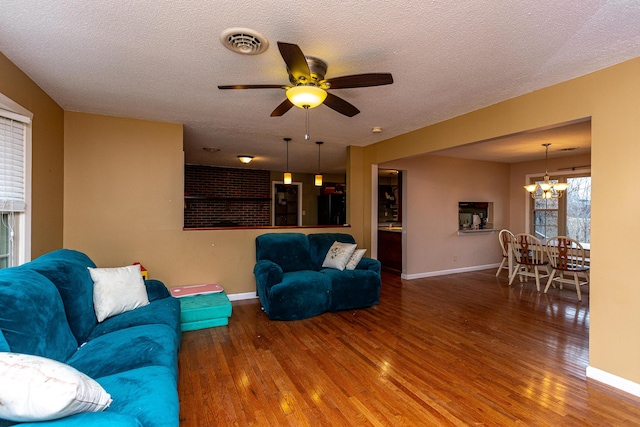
{"x": 93, "y": 419}
{"x": 67, "y": 269}
{"x": 164, "y": 311}
{"x": 130, "y": 348}
{"x": 352, "y": 289}
{"x": 4, "y": 345}
{"x": 289, "y": 250}
{"x": 35, "y": 388}
{"x": 149, "y": 394}
{"x": 300, "y": 295}
{"x": 117, "y": 290}
{"x": 32, "y": 317}
{"x": 319, "y": 244}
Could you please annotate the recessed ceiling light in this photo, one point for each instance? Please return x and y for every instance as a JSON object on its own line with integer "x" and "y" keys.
{"x": 210, "y": 149}
{"x": 376, "y": 129}
{"x": 244, "y": 41}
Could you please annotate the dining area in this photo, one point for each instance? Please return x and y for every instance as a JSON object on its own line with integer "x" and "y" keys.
{"x": 553, "y": 262}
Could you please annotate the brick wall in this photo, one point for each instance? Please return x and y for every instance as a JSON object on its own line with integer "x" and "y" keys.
{"x": 218, "y": 196}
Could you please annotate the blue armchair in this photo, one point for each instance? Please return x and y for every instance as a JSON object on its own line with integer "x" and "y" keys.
{"x": 292, "y": 284}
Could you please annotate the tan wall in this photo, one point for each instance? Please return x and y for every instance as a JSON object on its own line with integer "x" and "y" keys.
{"x": 434, "y": 186}
{"x": 124, "y": 203}
{"x": 611, "y": 97}
{"x": 47, "y": 162}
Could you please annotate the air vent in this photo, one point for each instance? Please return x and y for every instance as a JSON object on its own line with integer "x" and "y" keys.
{"x": 244, "y": 41}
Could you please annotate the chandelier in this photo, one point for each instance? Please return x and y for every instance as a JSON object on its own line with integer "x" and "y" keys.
{"x": 548, "y": 190}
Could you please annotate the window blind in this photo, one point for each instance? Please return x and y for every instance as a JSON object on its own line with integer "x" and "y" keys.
{"x": 12, "y": 167}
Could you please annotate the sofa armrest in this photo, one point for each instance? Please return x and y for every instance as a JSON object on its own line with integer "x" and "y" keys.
{"x": 369, "y": 264}
{"x": 268, "y": 274}
{"x": 156, "y": 290}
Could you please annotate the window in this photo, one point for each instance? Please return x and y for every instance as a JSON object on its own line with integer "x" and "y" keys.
{"x": 570, "y": 215}
{"x": 15, "y": 138}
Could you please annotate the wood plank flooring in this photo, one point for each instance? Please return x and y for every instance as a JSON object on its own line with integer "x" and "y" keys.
{"x": 455, "y": 350}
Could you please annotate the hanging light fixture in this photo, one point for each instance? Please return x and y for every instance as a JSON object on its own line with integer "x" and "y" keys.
{"x": 245, "y": 159}
{"x": 318, "y": 180}
{"x": 287, "y": 175}
{"x": 548, "y": 190}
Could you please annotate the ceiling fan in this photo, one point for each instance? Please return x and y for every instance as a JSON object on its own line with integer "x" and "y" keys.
{"x": 309, "y": 88}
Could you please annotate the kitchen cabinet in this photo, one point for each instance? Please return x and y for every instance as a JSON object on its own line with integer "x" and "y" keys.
{"x": 390, "y": 250}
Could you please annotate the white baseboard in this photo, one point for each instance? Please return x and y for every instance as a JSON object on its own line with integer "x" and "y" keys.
{"x": 242, "y": 296}
{"x": 613, "y": 380}
{"x": 452, "y": 271}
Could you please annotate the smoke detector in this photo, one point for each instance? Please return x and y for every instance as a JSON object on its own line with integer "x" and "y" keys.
{"x": 244, "y": 41}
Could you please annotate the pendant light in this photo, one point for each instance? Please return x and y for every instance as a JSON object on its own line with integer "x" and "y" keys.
{"x": 287, "y": 174}
{"x": 548, "y": 189}
{"x": 318, "y": 180}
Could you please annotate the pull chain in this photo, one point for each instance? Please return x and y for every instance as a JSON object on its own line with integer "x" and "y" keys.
{"x": 306, "y": 135}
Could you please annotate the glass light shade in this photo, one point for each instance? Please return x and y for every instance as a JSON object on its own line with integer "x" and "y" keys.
{"x": 287, "y": 177}
{"x": 318, "y": 181}
{"x": 245, "y": 159}
{"x": 561, "y": 186}
{"x": 306, "y": 96}
{"x": 531, "y": 188}
{"x": 545, "y": 186}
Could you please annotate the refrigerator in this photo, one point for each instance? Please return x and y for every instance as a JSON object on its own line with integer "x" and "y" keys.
{"x": 332, "y": 209}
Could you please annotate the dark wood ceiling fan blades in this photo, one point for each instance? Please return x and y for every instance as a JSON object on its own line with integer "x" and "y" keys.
{"x": 253, "y": 87}
{"x": 285, "y": 106}
{"x": 360, "y": 80}
{"x": 340, "y": 105}
{"x": 310, "y": 71}
{"x": 295, "y": 60}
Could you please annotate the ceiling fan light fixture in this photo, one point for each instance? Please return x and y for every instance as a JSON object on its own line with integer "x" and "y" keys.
{"x": 306, "y": 96}
{"x": 245, "y": 159}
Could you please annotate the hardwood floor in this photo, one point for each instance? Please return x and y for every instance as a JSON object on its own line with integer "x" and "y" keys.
{"x": 462, "y": 349}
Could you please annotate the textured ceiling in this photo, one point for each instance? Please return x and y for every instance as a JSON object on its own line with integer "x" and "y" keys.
{"x": 162, "y": 60}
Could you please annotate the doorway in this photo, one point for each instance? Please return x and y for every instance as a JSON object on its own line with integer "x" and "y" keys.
{"x": 390, "y": 220}
{"x": 287, "y": 204}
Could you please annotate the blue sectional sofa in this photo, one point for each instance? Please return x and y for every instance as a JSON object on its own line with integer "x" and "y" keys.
{"x": 46, "y": 309}
{"x": 292, "y": 284}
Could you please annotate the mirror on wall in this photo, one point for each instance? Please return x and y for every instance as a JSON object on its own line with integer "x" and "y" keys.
{"x": 219, "y": 197}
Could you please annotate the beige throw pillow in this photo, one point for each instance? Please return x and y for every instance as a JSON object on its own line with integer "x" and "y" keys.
{"x": 116, "y": 290}
{"x": 355, "y": 259}
{"x": 34, "y": 388}
{"x": 339, "y": 255}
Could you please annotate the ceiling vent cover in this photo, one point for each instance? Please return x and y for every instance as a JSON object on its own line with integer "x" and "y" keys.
{"x": 244, "y": 41}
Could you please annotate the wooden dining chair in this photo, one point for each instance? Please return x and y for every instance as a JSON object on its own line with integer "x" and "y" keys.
{"x": 528, "y": 254}
{"x": 567, "y": 258}
{"x": 503, "y": 239}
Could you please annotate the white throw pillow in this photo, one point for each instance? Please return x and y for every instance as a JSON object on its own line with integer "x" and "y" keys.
{"x": 355, "y": 259}
{"x": 339, "y": 255}
{"x": 33, "y": 388}
{"x": 116, "y": 290}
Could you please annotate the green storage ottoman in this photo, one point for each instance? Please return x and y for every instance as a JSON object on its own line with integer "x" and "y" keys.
{"x": 204, "y": 311}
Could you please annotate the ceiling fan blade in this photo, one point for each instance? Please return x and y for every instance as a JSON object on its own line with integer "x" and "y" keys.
{"x": 361, "y": 80}
{"x": 294, "y": 58}
{"x": 282, "y": 108}
{"x": 340, "y": 105}
{"x": 252, "y": 87}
